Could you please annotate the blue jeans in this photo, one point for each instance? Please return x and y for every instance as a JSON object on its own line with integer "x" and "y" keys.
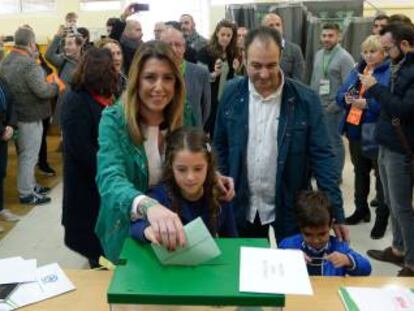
{"x": 332, "y": 120}
{"x": 398, "y": 193}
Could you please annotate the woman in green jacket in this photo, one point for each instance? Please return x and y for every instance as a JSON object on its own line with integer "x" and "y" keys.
{"x": 131, "y": 148}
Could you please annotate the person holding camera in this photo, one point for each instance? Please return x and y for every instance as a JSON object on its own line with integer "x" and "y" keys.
{"x": 66, "y": 61}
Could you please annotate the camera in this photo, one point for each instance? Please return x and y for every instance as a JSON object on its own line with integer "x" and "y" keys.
{"x": 137, "y": 7}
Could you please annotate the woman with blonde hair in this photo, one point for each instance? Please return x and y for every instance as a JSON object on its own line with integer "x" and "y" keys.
{"x": 362, "y": 112}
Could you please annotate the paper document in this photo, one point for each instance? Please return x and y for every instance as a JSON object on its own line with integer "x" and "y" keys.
{"x": 273, "y": 271}
{"x": 50, "y": 281}
{"x": 17, "y": 270}
{"x": 200, "y": 247}
{"x": 378, "y": 299}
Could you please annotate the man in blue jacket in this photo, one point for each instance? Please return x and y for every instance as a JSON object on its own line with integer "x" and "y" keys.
{"x": 270, "y": 137}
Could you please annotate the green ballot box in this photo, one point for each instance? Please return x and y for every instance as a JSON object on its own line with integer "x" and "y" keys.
{"x": 142, "y": 280}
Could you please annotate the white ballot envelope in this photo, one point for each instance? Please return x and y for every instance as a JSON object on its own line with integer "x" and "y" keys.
{"x": 200, "y": 247}
{"x": 273, "y": 271}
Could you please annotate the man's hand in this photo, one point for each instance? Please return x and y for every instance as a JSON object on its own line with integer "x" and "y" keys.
{"x": 226, "y": 186}
{"x": 7, "y": 134}
{"x": 341, "y": 232}
{"x": 129, "y": 10}
{"x": 339, "y": 260}
{"x": 166, "y": 226}
{"x": 367, "y": 81}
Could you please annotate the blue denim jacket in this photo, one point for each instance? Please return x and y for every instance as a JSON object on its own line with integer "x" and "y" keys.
{"x": 303, "y": 148}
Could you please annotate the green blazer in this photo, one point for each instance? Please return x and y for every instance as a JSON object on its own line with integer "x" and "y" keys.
{"x": 122, "y": 175}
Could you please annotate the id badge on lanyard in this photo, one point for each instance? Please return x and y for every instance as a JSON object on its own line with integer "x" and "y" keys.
{"x": 324, "y": 87}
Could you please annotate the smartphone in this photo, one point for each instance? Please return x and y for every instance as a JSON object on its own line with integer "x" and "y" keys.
{"x": 137, "y": 7}
{"x": 8, "y": 39}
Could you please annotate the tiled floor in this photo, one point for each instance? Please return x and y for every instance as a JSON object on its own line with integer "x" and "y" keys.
{"x": 39, "y": 234}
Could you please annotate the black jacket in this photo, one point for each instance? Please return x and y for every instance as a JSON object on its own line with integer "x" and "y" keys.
{"x": 398, "y": 103}
{"x": 80, "y": 122}
{"x": 7, "y": 117}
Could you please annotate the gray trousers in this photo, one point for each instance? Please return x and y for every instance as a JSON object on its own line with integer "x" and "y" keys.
{"x": 28, "y": 145}
{"x": 398, "y": 193}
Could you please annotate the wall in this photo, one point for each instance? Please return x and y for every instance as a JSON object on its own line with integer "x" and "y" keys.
{"x": 46, "y": 24}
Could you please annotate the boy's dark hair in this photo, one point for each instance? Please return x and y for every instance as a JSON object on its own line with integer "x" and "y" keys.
{"x": 399, "y": 31}
{"x": 313, "y": 209}
{"x": 332, "y": 26}
{"x": 194, "y": 140}
{"x": 264, "y": 34}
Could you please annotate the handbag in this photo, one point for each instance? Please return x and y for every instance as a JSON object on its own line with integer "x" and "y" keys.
{"x": 404, "y": 143}
{"x": 368, "y": 141}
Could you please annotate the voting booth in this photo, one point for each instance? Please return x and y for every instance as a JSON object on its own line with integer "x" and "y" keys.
{"x": 142, "y": 282}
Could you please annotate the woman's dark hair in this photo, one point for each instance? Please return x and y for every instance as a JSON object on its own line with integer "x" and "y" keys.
{"x": 214, "y": 47}
{"x": 84, "y": 33}
{"x": 313, "y": 209}
{"x": 95, "y": 72}
{"x": 193, "y": 140}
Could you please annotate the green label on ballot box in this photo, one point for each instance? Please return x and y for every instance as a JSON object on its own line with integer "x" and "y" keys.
{"x": 142, "y": 279}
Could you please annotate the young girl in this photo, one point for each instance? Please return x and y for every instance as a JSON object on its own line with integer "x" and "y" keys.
{"x": 324, "y": 254}
{"x": 189, "y": 186}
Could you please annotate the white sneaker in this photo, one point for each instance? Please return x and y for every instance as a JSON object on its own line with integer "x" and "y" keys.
{"x": 6, "y": 215}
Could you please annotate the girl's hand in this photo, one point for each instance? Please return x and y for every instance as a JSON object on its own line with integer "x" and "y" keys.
{"x": 226, "y": 186}
{"x": 339, "y": 260}
{"x": 360, "y": 103}
{"x": 150, "y": 235}
{"x": 166, "y": 226}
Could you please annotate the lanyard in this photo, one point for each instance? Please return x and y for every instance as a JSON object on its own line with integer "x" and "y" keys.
{"x": 327, "y": 63}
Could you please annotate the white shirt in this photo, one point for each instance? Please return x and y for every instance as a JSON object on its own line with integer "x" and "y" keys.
{"x": 155, "y": 161}
{"x": 262, "y": 153}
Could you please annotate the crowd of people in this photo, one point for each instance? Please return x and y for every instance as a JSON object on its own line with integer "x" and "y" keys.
{"x": 157, "y": 133}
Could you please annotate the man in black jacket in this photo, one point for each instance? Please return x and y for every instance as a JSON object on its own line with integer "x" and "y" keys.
{"x": 395, "y": 135}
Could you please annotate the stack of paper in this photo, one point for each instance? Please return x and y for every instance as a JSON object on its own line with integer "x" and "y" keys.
{"x": 34, "y": 284}
{"x": 200, "y": 247}
{"x": 378, "y": 299}
{"x": 273, "y": 271}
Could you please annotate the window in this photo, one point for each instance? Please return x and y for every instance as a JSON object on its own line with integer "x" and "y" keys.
{"x": 26, "y": 6}
{"x": 100, "y": 5}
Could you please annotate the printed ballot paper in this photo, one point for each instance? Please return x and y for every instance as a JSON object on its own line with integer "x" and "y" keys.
{"x": 378, "y": 299}
{"x": 200, "y": 247}
{"x": 17, "y": 270}
{"x": 50, "y": 281}
{"x": 273, "y": 271}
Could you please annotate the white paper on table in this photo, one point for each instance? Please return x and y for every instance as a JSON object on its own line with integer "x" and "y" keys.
{"x": 380, "y": 299}
{"x": 17, "y": 270}
{"x": 50, "y": 281}
{"x": 274, "y": 271}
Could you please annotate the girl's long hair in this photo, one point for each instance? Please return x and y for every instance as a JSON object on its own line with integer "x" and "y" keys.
{"x": 193, "y": 140}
